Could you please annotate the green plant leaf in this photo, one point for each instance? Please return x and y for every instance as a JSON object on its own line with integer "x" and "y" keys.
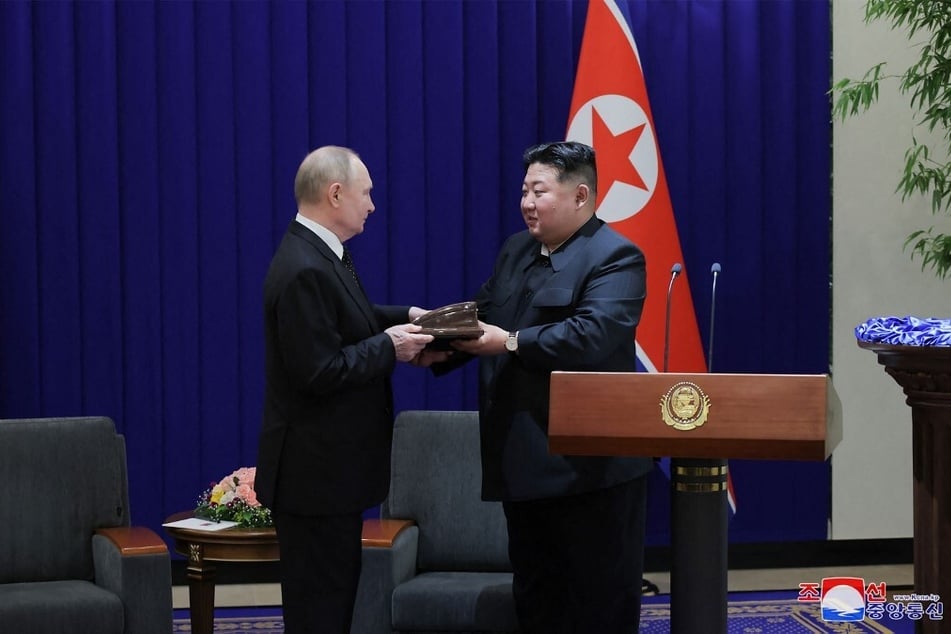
{"x": 927, "y": 84}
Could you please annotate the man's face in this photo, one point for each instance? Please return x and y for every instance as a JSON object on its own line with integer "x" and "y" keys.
{"x": 552, "y": 211}
{"x": 354, "y": 202}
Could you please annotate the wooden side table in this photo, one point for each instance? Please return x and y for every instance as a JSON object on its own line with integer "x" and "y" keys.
{"x": 244, "y": 544}
{"x": 203, "y": 548}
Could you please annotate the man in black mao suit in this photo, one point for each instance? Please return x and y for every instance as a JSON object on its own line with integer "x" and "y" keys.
{"x": 566, "y": 294}
{"x": 324, "y": 452}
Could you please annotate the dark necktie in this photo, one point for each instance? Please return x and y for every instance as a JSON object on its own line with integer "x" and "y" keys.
{"x": 348, "y": 262}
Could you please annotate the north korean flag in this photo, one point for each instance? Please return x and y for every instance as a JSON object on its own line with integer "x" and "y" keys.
{"x": 611, "y": 112}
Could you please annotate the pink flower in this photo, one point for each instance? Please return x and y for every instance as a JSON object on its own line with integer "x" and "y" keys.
{"x": 245, "y": 475}
{"x": 244, "y": 492}
{"x": 227, "y": 483}
{"x": 239, "y": 484}
{"x": 247, "y": 494}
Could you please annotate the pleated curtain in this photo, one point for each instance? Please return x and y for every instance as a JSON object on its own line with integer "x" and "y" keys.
{"x": 146, "y": 175}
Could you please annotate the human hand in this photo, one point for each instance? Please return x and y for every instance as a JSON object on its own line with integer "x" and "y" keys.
{"x": 415, "y": 312}
{"x": 407, "y": 341}
{"x": 491, "y": 342}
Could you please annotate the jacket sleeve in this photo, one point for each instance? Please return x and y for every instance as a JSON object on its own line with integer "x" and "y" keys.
{"x": 391, "y": 315}
{"x": 325, "y": 342}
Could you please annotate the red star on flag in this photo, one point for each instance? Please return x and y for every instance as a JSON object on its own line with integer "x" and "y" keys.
{"x": 609, "y": 72}
{"x": 614, "y": 155}
{"x": 609, "y": 86}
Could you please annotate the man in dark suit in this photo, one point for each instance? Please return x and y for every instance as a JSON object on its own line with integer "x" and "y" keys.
{"x": 324, "y": 453}
{"x": 565, "y": 295}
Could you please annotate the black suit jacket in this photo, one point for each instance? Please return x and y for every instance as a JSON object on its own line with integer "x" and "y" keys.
{"x": 328, "y": 409}
{"x": 582, "y": 318}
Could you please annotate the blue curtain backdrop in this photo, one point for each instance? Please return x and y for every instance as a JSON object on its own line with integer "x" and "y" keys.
{"x": 146, "y": 167}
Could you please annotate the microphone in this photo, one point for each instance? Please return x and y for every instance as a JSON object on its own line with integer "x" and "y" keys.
{"x": 674, "y": 272}
{"x": 715, "y": 270}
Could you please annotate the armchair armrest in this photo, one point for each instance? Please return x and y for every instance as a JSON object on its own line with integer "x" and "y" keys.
{"x": 133, "y": 563}
{"x": 134, "y": 540}
{"x": 389, "y": 558}
{"x": 381, "y": 533}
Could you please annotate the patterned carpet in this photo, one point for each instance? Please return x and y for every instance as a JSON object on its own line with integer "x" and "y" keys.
{"x": 759, "y": 612}
{"x": 769, "y": 613}
{"x": 256, "y": 620}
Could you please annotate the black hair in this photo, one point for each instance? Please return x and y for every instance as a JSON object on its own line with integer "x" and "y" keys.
{"x": 570, "y": 158}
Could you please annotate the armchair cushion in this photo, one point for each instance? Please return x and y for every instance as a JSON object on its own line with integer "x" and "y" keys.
{"x": 433, "y": 600}
{"x": 78, "y": 607}
{"x": 63, "y": 479}
{"x": 449, "y": 571}
{"x": 69, "y": 562}
{"x": 436, "y": 480}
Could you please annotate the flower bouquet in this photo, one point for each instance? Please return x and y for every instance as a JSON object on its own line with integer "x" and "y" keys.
{"x": 234, "y": 500}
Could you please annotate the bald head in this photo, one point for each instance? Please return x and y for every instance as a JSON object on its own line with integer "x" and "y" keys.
{"x": 333, "y": 188}
{"x": 320, "y": 169}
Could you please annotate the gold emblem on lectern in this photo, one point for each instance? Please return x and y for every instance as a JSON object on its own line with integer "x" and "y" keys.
{"x": 685, "y": 406}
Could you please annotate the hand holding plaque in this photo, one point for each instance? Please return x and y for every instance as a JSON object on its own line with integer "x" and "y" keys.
{"x": 447, "y": 323}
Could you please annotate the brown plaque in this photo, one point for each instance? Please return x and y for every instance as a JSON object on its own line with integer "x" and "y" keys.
{"x": 454, "y": 321}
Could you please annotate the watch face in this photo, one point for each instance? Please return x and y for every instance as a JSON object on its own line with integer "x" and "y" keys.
{"x": 511, "y": 343}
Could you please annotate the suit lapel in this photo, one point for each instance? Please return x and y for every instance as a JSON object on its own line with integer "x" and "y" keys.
{"x": 343, "y": 275}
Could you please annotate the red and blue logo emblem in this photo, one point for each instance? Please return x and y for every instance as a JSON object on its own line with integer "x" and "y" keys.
{"x": 843, "y": 599}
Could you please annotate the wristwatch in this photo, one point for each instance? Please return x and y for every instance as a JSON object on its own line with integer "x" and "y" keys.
{"x": 511, "y": 342}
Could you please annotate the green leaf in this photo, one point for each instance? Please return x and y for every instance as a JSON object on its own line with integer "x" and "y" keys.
{"x": 927, "y": 84}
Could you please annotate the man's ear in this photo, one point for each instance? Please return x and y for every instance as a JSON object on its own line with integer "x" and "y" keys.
{"x": 581, "y": 195}
{"x": 333, "y": 194}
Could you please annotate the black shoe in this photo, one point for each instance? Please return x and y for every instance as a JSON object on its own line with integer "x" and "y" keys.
{"x": 649, "y": 589}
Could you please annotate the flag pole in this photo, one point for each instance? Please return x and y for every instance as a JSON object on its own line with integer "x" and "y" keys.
{"x": 610, "y": 111}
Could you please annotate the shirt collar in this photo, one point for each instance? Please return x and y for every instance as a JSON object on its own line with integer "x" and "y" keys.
{"x": 324, "y": 234}
{"x": 547, "y": 252}
{"x": 557, "y": 255}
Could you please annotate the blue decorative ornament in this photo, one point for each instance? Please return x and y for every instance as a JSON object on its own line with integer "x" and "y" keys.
{"x": 905, "y": 331}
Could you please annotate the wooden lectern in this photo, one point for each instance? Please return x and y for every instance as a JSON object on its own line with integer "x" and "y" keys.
{"x": 699, "y": 420}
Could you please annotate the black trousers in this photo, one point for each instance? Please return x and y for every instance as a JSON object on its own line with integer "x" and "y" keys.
{"x": 578, "y": 560}
{"x": 320, "y": 570}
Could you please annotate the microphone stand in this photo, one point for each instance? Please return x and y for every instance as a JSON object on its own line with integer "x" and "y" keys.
{"x": 674, "y": 272}
{"x": 698, "y": 592}
{"x": 715, "y": 270}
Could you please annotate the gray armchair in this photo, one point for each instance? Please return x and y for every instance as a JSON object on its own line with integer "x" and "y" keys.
{"x": 437, "y": 560}
{"x": 69, "y": 561}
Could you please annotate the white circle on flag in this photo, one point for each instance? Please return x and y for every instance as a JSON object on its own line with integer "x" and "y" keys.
{"x": 621, "y": 114}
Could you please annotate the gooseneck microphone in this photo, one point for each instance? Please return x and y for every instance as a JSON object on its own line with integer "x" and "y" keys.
{"x": 715, "y": 270}
{"x": 674, "y": 272}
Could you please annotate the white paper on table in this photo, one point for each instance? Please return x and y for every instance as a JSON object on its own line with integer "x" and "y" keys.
{"x": 199, "y": 524}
